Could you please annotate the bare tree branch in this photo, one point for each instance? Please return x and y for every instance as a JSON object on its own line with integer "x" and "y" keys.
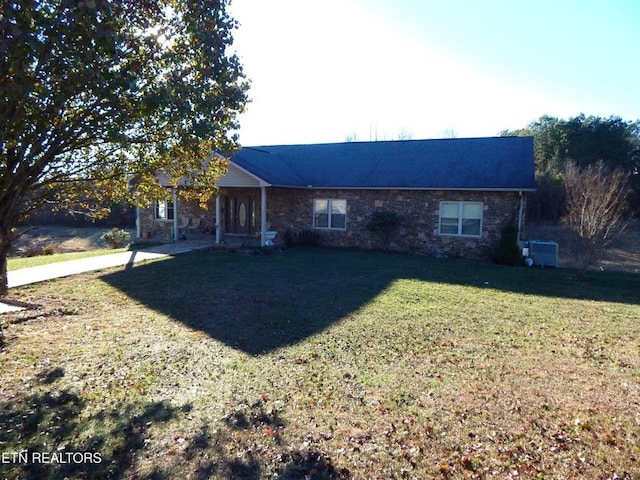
{"x": 596, "y": 208}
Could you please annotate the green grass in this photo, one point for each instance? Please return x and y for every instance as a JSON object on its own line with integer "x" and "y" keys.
{"x": 16, "y": 263}
{"x": 317, "y": 363}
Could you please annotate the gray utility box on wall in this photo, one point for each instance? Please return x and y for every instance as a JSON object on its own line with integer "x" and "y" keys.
{"x": 544, "y": 254}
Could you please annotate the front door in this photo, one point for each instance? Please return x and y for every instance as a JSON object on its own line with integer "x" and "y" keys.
{"x": 241, "y": 215}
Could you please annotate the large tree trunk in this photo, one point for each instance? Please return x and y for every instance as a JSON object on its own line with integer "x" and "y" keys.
{"x": 6, "y": 236}
{"x": 5, "y": 245}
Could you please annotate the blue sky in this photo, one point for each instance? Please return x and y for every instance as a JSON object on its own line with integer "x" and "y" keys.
{"x": 328, "y": 70}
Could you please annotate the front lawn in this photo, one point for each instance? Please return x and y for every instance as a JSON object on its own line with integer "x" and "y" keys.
{"x": 324, "y": 364}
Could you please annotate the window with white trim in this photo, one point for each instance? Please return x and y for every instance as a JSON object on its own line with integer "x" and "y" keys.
{"x": 461, "y": 218}
{"x": 330, "y": 214}
{"x": 164, "y": 210}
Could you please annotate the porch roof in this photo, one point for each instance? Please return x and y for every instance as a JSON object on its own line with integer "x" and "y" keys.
{"x": 496, "y": 163}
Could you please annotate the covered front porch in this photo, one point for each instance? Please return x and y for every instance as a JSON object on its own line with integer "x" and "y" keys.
{"x": 236, "y": 216}
{"x": 241, "y": 209}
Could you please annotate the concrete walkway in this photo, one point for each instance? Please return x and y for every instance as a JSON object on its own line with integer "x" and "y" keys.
{"x": 26, "y": 276}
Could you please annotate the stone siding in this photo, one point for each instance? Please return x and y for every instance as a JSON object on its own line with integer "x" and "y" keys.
{"x": 291, "y": 209}
{"x": 159, "y": 229}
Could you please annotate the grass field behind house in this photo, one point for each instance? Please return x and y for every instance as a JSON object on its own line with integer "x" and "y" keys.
{"x": 326, "y": 364}
{"x": 41, "y": 245}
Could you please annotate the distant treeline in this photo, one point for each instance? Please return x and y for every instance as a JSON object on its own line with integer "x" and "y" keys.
{"x": 584, "y": 140}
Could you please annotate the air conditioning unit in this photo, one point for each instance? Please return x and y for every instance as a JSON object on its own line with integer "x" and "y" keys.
{"x": 544, "y": 254}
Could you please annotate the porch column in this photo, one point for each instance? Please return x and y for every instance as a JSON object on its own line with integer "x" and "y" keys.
{"x": 218, "y": 222}
{"x": 138, "y": 223}
{"x": 175, "y": 214}
{"x": 263, "y": 216}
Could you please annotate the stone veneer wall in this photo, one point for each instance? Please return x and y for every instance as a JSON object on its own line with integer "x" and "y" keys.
{"x": 292, "y": 209}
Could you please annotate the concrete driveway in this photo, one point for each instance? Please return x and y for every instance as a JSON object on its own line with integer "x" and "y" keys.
{"x": 26, "y": 276}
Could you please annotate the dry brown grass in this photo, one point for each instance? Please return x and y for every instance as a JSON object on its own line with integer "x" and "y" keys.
{"x": 624, "y": 255}
{"x": 61, "y": 239}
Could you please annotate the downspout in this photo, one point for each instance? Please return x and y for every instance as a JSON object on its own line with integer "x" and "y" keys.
{"x": 520, "y": 215}
{"x": 138, "y": 223}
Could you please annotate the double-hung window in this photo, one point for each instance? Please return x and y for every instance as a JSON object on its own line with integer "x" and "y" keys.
{"x": 330, "y": 214}
{"x": 461, "y": 218}
{"x": 164, "y": 210}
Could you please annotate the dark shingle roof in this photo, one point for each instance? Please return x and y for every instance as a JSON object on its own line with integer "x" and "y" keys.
{"x": 497, "y": 163}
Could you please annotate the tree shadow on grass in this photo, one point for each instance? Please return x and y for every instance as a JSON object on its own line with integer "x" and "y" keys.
{"x": 50, "y": 437}
{"x": 261, "y": 303}
{"x": 255, "y": 304}
{"x": 47, "y": 435}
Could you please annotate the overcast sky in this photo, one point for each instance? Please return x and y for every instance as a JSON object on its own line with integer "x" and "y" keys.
{"x": 328, "y": 70}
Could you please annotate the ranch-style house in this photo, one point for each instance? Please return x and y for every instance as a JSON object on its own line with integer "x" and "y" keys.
{"x": 454, "y": 195}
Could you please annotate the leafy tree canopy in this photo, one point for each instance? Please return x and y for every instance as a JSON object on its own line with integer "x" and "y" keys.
{"x": 96, "y": 92}
{"x": 582, "y": 141}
